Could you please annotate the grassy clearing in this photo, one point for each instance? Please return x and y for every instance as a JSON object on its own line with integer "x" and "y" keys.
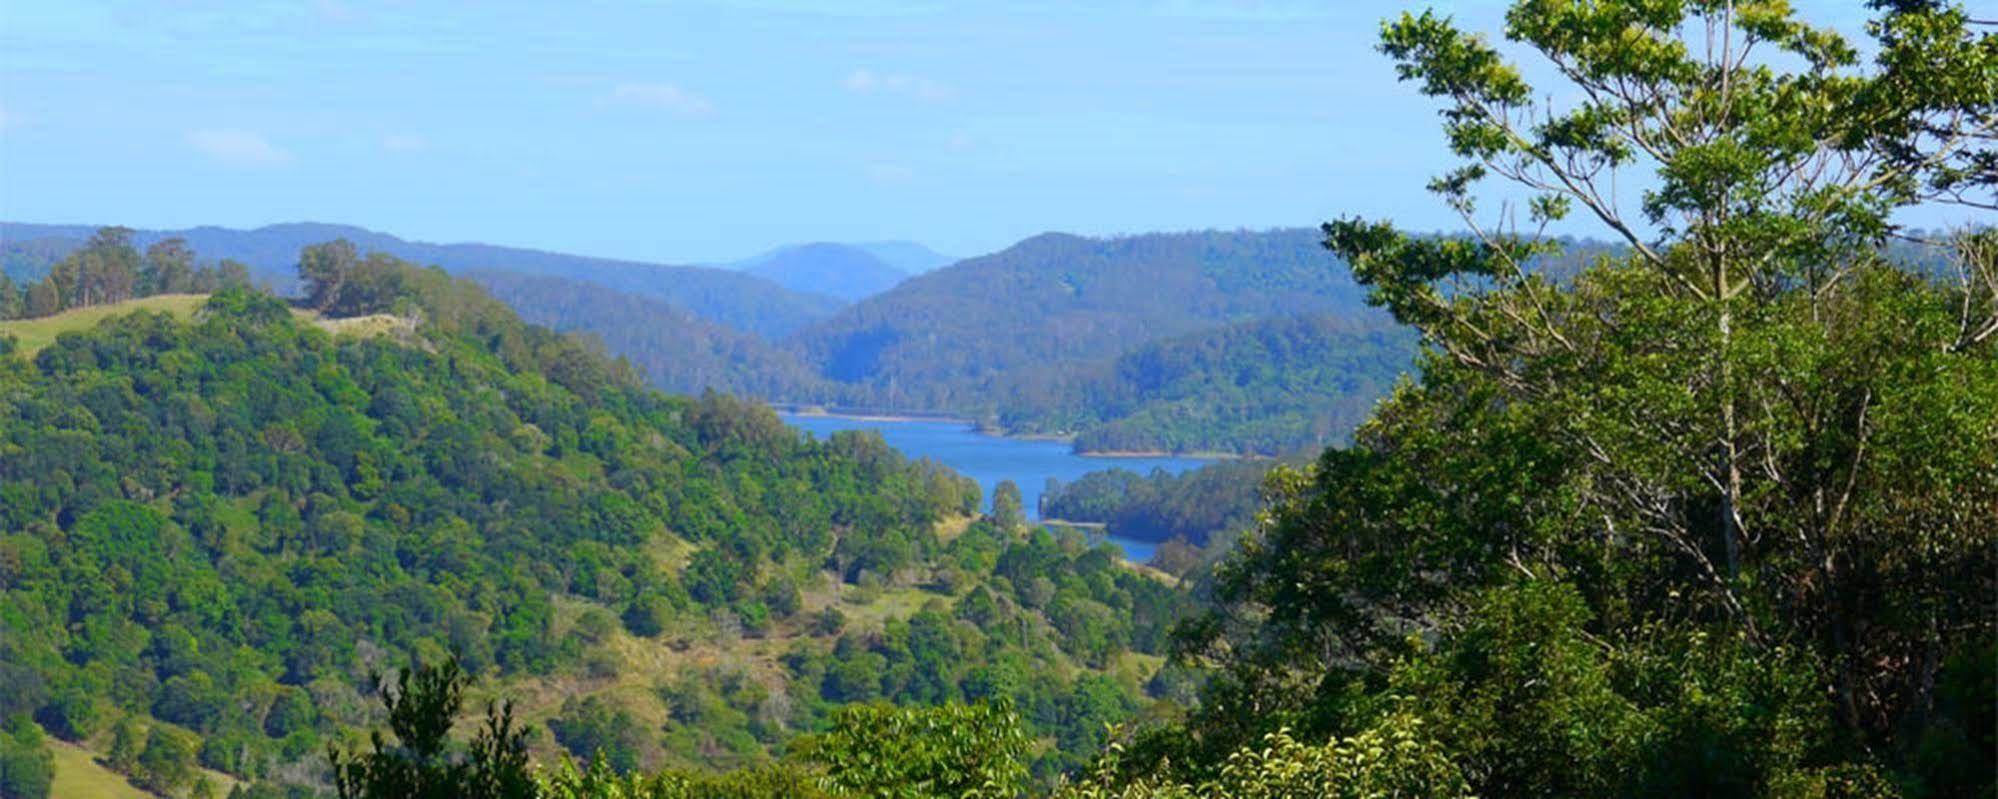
{"x": 77, "y": 775}
{"x": 33, "y": 334}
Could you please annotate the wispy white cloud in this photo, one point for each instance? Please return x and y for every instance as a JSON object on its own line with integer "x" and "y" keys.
{"x": 236, "y": 147}
{"x": 404, "y": 143}
{"x": 882, "y": 173}
{"x": 928, "y": 90}
{"x": 663, "y": 96}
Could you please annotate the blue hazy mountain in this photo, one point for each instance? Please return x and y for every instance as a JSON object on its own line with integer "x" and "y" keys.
{"x": 845, "y": 271}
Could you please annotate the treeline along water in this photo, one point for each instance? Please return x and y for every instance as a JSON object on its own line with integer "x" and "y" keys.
{"x": 990, "y": 459}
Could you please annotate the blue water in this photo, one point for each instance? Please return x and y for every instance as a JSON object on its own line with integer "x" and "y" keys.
{"x": 990, "y": 459}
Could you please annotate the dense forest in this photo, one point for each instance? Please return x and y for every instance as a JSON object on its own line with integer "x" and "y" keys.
{"x": 1269, "y": 387}
{"x": 217, "y": 526}
{"x": 675, "y": 349}
{"x": 958, "y": 336}
{"x": 1196, "y": 515}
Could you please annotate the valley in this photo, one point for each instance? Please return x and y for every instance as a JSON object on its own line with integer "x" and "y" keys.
{"x": 1635, "y": 434}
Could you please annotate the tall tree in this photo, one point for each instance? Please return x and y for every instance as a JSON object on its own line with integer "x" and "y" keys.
{"x": 12, "y": 305}
{"x": 1753, "y": 446}
{"x": 422, "y": 707}
{"x": 325, "y": 269}
{"x": 169, "y": 267}
{"x": 1008, "y": 508}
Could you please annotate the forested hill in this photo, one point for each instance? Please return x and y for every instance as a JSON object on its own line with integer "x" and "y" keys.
{"x": 214, "y": 525}
{"x": 1267, "y": 387}
{"x": 1056, "y": 306}
{"x": 725, "y": 296}
{"x": 844, "y": 271}
{"x": 674, "y": 349}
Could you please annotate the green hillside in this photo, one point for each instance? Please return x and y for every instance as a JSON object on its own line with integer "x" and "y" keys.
{"x": 224, "y": 520}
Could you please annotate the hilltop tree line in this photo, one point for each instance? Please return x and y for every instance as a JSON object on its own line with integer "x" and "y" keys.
{"x": 108, "y": 269}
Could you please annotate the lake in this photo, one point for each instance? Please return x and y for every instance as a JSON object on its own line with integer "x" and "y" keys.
{"x": 990, "y": 459}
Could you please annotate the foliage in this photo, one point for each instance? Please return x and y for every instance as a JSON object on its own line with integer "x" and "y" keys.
{"x": 1052, "y": 334}
{"x": 945, "y": 752}
{"x": 1396, "y": 758}
{"x": 108, "y": 269}
{"x": 27, "y": 768}
{"x": 1199, "y": 506}
{"x": 1267, "y": 386}
{"x": 223, "y": 520}
{"x": 1710, "y": 516}
{"x": 421, "y": 763}
{"x": 675, "y": 349}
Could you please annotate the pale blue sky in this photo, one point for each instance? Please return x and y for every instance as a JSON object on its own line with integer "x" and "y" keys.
{"x": 696, "y": 131}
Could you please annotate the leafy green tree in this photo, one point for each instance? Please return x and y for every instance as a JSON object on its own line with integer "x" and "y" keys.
{"x": 325, "y": 269}
{"x": 1008, "y": 509}
{"x": 167, "y": 765}
{"x": 27, "y": 767}
{"x": 951, "y": 750}
{"x": 1397, "y": 758}
{"x": 169, "y": 268}
{"x": 422, "y": 761}
{"x": 42, "y": 299}
{"x": 12, "y": 305}
{"x": 126, "y": 746}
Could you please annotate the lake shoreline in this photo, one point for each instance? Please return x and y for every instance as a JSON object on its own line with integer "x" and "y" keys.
{"x": 824, "y": 412}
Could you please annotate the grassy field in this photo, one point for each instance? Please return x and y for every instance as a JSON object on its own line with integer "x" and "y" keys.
{"x": 77, "y": 775}
{"x": 33, "y": 334}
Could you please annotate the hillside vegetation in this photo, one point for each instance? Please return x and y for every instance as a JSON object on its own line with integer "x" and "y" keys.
{"x": 214, "y": 525}
{"x": 675, "y": 349}
{"x": 1707, "y": 516}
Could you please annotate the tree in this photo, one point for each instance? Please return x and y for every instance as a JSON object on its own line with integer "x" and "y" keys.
{"x": 42, "y": 299}
{"x": 421, "y": 709}
{"x": 125, "y": 747}
{"x": 169, "y": 267}
{"x": 325, "y": 269}
{"x": 167, "y": 764}
{"x": 1752, "y": 443}
{"x": 953, "y": 750}
{"x": 27, "y": 768}
{"x": 232, "y": 274}
{"x": 12, "y": 304}
{"x": 1008, "y": 509}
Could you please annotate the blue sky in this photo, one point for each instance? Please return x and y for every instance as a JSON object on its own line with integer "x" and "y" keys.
{"x": 695, "y": 131}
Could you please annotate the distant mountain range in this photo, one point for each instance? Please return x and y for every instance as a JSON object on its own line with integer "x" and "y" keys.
{"x": 843, "y": 271}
